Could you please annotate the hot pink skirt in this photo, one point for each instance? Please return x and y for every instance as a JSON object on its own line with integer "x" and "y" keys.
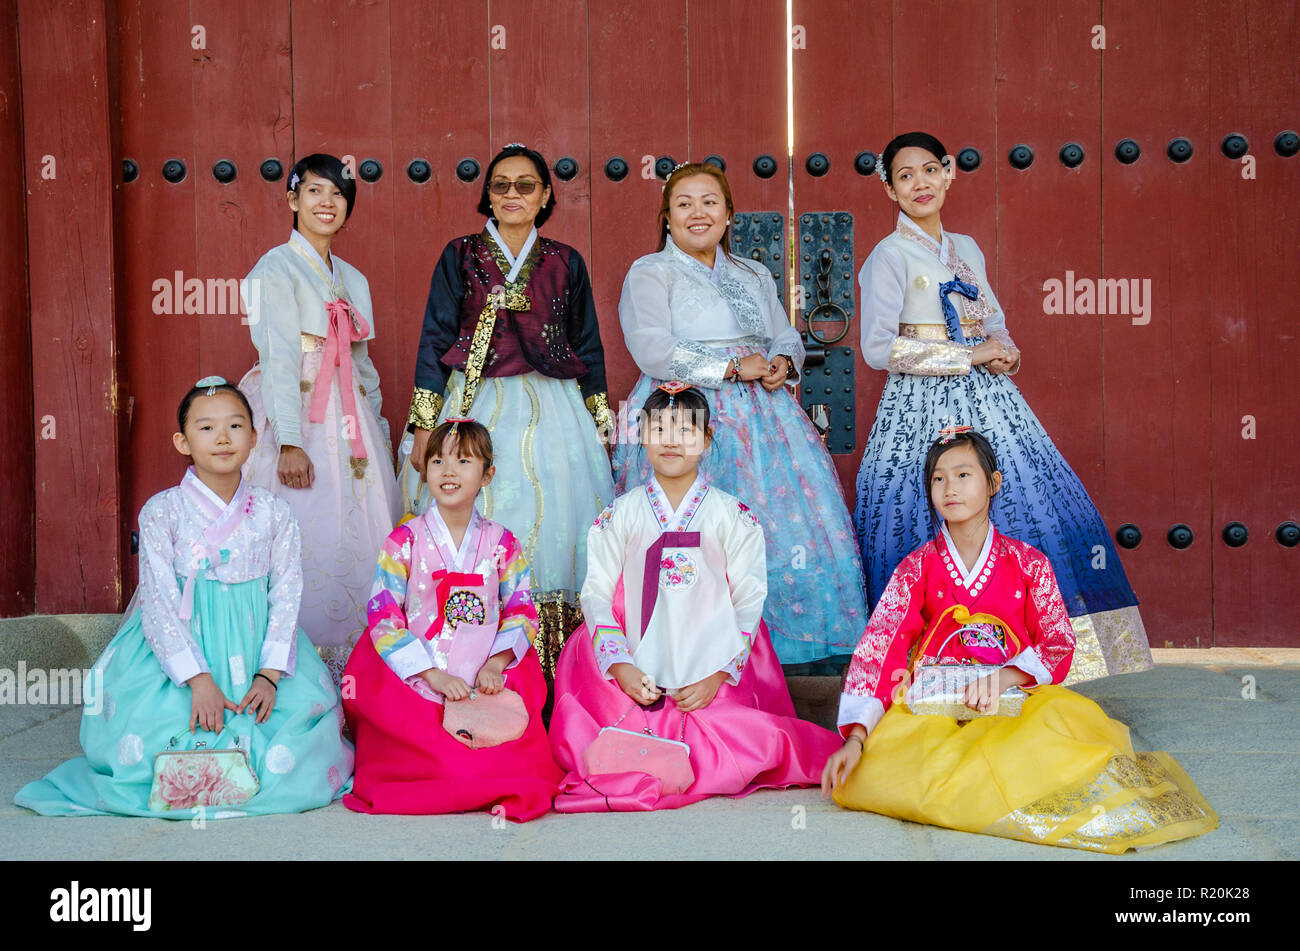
{"x": 748, "y": 738}
{"x": 408, "y": 764}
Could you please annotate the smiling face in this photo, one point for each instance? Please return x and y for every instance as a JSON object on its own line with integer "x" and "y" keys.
{"x": 919, "y": 182}
{"x": 959, "y": 487}
{"x": 455, "y": 474}
{"x": 513, "y": 208}
{"x": 320, "y": 206}
{"x": 218, "y": 434}
{"x": 698, "y": 216}
{"x": 673, "y": 443}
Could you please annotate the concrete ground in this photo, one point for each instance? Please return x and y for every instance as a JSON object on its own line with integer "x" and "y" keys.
{"x": 1231, "y": 718}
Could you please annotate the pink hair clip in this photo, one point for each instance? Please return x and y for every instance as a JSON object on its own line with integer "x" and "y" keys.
{"x": 948, "y": 433}
{"x": 672, "y": 388}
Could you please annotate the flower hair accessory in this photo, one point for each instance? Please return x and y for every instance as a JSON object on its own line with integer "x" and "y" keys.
{"x": 672, "y": 388}
{"x": 293, "y": 181}
{"x": 882, "y": 171}
{"x": 211, "y": 382}
{"x": 949, "y": 433}
{"x": 514, "y": 145}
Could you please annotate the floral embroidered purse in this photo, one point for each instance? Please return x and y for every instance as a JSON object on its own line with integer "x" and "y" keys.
{"x": 615, "y": 750}
{"x": 183, "y": 779}
{"x": 940, "y": 689}
{"x": 486, "y": 719}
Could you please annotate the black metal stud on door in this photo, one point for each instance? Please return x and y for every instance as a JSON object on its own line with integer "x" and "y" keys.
{"x": 467, "y": 170}
{"x": 1235, "y": 534}
{"x": 717, "y": 161}
{"x": 616, "y": 169}
{"x": 224, "y": 171}
{"x": 130, "y": 171}
{"x": 566, "y": 169}
{"x": 968, "y": 160}
{"x": 1127, "y": 151}
{"x": 1071, "y": 155}
{"x": 271, "y": 170}
{"x": 173, "y": 170}
{"x": 1234, "y": 146}
{"x": 864, "y": 163}
{"x": 370, "y": 170}
{"x": 1180, "y": 536}
{"x": 1179, "y": 150}
{"x": 664, "y": 166}
{"x": 419, "y": 171}
{"x": 1288, "y": 534}
{"x": 765, "y": 166}
{"x": 1286, "y": 144}
{"x": 1021, "y": 157}
{"x": 1128, "y": 535}
{"x": 817, "y": 165}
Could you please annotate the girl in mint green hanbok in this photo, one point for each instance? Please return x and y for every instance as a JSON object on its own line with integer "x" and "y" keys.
{"x": 210, "y": 656}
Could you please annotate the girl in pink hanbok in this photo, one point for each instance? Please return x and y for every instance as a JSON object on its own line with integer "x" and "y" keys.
{"x": 671, "y": 691}
{"x": 445, "y": 695}
{"x": 328, "y": 453}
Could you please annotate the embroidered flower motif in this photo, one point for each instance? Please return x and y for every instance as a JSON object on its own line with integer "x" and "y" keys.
{"x": 603, "y": 518}
{"x": 678, "y": 570}
{"x": 746, "y": 514}
{"x": 465, "y": 607}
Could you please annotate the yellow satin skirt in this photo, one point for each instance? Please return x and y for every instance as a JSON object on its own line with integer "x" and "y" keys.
{"x": 1062, "y": 773}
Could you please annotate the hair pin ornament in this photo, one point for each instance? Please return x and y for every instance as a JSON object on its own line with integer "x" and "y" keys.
{"x": 949, "y": 433}
{"x": 672, "y": 388}
{"x": 211, "y": 382}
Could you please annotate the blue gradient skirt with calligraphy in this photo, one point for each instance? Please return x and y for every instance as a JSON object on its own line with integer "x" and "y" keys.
{"x": 766, "y": 453}
{"x": 1042, "y": 502}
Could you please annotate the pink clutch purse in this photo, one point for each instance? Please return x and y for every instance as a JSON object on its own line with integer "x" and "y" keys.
{"x": 486, "y": 719}
{"x": 615, "y": 750}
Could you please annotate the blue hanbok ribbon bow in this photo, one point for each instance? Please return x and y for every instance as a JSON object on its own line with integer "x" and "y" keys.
{"x": 950, "y": 318}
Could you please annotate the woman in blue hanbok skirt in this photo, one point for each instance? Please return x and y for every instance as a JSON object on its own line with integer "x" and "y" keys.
{"x": 929, "y": 317}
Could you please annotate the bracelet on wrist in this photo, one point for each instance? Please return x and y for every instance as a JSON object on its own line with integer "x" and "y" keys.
{"x": 854, "y": 736}
{"x": 274, "y": 685}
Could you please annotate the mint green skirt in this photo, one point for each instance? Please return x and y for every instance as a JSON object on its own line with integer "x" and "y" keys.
{"x": 132, "y": 711}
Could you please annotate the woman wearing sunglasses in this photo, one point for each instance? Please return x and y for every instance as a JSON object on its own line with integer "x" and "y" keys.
{"x": 510, "y": 339}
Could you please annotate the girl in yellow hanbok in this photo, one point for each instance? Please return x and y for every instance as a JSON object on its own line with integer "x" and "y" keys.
{"x": 952, "y": 711}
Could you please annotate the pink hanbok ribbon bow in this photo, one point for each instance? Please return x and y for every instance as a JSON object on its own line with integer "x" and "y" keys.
{"x": 346, "y": 325}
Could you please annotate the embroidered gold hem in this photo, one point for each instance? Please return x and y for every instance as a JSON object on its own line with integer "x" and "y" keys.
{"x": 1135, "y": 802}
{"x": 425, "y": 407}
{"x": 1106, "y": 643}
{"x": 311, "y": 343}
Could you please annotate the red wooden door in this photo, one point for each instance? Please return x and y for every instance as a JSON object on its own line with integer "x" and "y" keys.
{"x": 1150, "y": 415}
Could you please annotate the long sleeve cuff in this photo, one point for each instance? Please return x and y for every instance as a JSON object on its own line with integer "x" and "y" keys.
{"x": 1029, "y": 661}
{"x": 736, "y": 667}
{"x": 511, "y": 639}
{"x": 611, "y": 648}
{"x": 929, "y": 357}
{"x": 410, "y": 659}
{"x": 698, "y": 364}
{"x": 279, "y": 655}
{"x": 183, "y": 665}
{"x": 425, "y": 407}
{"x": 855, "y": 709}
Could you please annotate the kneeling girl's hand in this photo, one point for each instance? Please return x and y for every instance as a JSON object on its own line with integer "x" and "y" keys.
{"x": 452, "y": 688}
{"x": 843, "y": 761}
{"x": 635, "y": 683}
{"x": 208, "y": 705}
{"x": 491, "y": 676}
{"x": 698, "y": 695}
{"x": 261, "y": 694}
